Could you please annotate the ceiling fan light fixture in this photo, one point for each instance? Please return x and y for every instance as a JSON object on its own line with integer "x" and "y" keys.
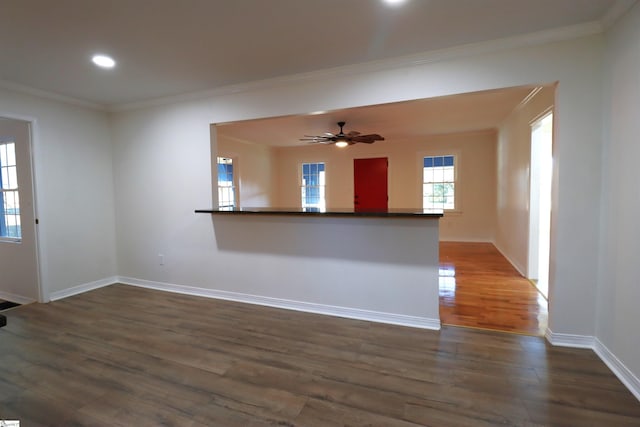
{"x": 341, "y": 144}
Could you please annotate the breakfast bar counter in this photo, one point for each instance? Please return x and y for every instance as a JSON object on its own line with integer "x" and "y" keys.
{"x": 372, "y": 265}
{"x": 388, "y": 213}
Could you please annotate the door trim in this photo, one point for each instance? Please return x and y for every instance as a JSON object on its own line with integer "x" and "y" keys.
{"x": 43, "y": 294}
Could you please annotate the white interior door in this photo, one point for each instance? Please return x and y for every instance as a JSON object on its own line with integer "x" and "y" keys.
{"x": 18, "y": 249}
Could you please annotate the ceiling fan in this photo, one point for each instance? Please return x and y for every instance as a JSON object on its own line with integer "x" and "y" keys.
{"x": 341, "y": 139}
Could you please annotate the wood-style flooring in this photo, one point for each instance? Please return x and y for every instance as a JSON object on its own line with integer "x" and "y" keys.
{"x": 480, "y": 288}
{"x": 127, "y": 356}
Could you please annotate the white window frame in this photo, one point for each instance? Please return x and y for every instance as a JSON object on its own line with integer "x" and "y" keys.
{"x": 12, "y": 190}
{"x": 233, "y": 187}
{"x": 456, "y": 171}
{"x": 322, "y": 206}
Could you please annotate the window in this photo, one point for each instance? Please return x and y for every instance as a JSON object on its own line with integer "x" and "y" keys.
{"x": 9, "y": 198}
{"x": 226, "y": 186}
{"x": 439, "y": 182}
{"x": 313, "y": 186}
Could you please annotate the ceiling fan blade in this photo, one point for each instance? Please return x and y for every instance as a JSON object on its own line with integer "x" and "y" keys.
{"x": 314, "y": 138}
{"x": 368, "y": 139}
{"x": 318, "y": 139}
{"x": 350, "y": 138}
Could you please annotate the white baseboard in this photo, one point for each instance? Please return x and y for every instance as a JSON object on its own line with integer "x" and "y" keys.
{"x": 519, "y": 268}
{"x": 568, "y": 340}
{"x": 329, "y": 310}
{"x": 8, "y": 296}
{"x": 82, "y": 288}
{"x": 619, "y": 369}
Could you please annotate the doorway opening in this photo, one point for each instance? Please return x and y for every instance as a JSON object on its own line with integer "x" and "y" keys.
{"x": 18, "y": 240}
{"x": 480, "y": 288}
{"x": 540, "y": 202}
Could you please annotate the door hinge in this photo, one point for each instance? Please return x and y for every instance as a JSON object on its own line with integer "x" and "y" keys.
{"x": 37, "y": 221}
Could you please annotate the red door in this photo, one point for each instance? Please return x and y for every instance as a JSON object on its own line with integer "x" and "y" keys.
{"x": 370, "y": 184}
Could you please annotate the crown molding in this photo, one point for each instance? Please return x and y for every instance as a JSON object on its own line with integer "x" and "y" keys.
{"x": 529, "y": 97}
{"x": 525, "y": 101}
{"x": 20, "y": 88}
{"x": 615, "y": 12}
{"x": 408, "y": 61}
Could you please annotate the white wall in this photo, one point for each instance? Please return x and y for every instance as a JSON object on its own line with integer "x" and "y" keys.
{"x": 163, "y": 170}
{"x": 476, "y": 152}
{"x": 73, "y": 171}
{"x": 373, "y": 267}
{"x": 254, "y": 170}
{"x": 514, "y": 164}
{"x": 619, "y": 284}
{"x": 163, "y": 173}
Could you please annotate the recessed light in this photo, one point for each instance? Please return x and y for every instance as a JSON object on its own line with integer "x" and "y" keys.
{"x": 394, "y": 2}
{"x": 103, "y": 61}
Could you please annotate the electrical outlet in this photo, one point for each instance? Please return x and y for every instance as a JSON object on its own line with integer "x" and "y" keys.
{"x": 161, "y": 259}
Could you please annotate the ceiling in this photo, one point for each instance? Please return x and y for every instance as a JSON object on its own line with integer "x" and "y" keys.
{"x": 394, "y": 121}
{"x": 172, "y": 47}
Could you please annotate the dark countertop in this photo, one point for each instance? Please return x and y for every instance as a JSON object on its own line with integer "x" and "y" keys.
{"x": 389, "y": 213}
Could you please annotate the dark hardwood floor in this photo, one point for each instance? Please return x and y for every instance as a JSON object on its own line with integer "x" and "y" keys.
{"x": 126, "y": 356}
{"x": 480, "y": 288}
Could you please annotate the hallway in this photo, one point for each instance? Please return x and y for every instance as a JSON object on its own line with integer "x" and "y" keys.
{"x": 479, "y": 288}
